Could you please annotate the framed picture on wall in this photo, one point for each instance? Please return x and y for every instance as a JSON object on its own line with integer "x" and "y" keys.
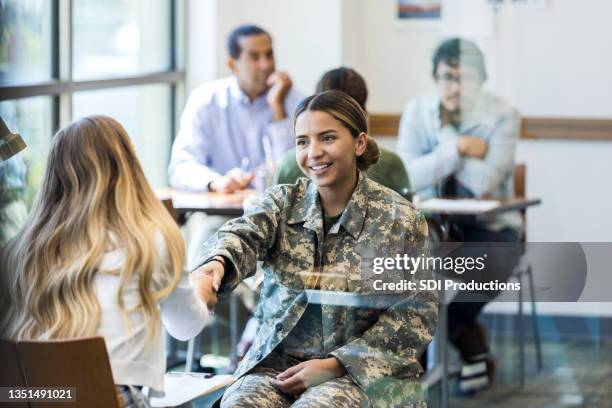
{"x": 419, "y": 9}
{"x": 418, "y": 14}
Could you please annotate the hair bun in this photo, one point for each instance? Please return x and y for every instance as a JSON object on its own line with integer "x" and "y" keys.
{"x": 370, "y": 156}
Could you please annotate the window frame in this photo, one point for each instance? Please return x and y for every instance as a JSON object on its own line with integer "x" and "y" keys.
{"x": 62, "y": 86}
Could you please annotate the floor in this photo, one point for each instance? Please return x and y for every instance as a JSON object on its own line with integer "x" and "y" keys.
{"x": 577, "y": 372}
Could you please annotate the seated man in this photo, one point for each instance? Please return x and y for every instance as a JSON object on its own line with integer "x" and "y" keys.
{"x": 388, "y": 171}
{"x": 228, "y": 125}
{"x": 461, "y": 142}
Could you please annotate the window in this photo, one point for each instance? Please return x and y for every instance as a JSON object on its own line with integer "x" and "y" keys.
{"x": 64, "y": 59}
{"x": 25, "y": 46}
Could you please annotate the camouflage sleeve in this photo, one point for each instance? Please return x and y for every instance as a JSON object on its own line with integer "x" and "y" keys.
{"x": 245, "y": 240}
{"x": 390, "y": 348}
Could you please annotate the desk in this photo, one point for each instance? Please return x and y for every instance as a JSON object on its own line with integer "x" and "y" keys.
{"x": 446, "y": 208}
{"x": 230, "y": 205}
{"x": 481, "y": 214}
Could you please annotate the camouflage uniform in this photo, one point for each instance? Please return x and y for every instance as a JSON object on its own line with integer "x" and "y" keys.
{"x": 377, "y": 336}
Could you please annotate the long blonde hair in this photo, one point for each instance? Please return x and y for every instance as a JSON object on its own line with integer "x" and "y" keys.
{"x": 94, "y": 198}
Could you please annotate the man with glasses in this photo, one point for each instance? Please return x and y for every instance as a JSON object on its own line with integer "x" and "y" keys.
{"x": 461, "y": 142}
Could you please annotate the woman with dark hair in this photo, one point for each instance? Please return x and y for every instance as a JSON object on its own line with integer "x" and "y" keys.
{"x": 326, "y": 338}
{"x": 388, "y": 170}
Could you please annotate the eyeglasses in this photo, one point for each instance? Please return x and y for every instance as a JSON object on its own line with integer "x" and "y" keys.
{"x": 448, "y": 79}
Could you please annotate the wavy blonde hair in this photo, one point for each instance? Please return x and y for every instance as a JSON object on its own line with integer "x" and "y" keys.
{"x": 94, "y": 199}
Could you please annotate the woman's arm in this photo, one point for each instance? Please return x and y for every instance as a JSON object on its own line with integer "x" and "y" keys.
{"x": 182, "y": 313}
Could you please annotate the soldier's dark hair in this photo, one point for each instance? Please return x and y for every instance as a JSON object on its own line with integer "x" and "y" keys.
{"x": 347, "y": 111}
{"x": 346, "y": 80}
{"x": 245, "y": 30}
{"x": 456, "y": 52}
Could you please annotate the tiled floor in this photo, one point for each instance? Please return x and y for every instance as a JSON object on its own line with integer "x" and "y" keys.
{"x": 576, "y": 373}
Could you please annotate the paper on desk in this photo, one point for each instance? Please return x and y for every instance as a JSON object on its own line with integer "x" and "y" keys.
{"x": 463, "y": 205}
{"x": 185, "y": 387}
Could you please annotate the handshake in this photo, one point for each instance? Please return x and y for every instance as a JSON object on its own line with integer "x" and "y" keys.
{"x": 207, "y": 280}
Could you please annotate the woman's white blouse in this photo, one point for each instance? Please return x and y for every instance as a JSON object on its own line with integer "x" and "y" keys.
{"x": 135, "y": 360}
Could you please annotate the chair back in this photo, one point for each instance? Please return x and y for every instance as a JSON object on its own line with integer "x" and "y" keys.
{"x": 520, "y": 177}
{"x": 80, "y": 363}
{"x": 520, "y": 174}
{"x": 167, "y": 202}
{"x": 11, "y": 374}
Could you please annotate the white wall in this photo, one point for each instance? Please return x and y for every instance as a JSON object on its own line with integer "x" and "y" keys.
{"x": 306, "y": 35}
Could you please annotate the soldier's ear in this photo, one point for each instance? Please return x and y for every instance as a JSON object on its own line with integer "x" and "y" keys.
{"x": 361, "y": 144}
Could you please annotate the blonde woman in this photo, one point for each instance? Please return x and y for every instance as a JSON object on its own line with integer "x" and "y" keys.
{"x": 100, "y": 255}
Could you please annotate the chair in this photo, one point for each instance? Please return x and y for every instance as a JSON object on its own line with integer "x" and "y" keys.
{"x": 11, "y": 374}
{"x": 523, "y": 269}
{"x": 82, "y": 364}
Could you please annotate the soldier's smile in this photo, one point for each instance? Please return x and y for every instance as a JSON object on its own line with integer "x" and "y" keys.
{"x": 320, "y": 170}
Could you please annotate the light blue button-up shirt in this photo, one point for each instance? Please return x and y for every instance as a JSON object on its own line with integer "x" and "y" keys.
{"x": 220, "y": 128}
{"x": 429, "y": 151}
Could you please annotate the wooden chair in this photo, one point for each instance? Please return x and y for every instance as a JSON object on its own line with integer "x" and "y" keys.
{"x": 11, "y": 374}
{"x": 81, "y": 363}
{"x": 167, "y": 202}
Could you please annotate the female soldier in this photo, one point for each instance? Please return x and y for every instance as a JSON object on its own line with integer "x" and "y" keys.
{"x": 324, "y": 337}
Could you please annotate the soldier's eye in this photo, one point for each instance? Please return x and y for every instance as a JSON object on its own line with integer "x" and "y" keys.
{"x": 328, "y": 138}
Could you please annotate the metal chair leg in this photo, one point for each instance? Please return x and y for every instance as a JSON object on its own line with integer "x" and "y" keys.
{"x": 443, "y": 327}
{"x": 234, "y": 329}
{"x": 521, "y": 333}
{"x": 190, "y": 353}
{"x": 534, "y": 321}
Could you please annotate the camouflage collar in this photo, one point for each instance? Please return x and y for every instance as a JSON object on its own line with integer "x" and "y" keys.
{"x": 308, "y": 209}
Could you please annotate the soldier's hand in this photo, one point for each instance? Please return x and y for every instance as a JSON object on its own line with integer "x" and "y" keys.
{"x": 472, "y": 146}
{"x": 206, "y": 281}
{"x": 295, "y": 380}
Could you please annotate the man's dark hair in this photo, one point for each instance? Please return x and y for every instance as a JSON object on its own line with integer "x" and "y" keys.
{"x": 457, "y": 51}
{"x": 346, "y": 80}
{"x": 245, "y": 30}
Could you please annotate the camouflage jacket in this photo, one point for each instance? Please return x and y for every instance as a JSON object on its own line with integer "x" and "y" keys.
{"x": 377, "y": 336}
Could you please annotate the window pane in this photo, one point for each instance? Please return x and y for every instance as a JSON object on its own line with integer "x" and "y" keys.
{"x": 25, "y": 40}
{"x": 145, "y": 113}
{"x": 32, "y": 119}
{"x": 121, "y": 37}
